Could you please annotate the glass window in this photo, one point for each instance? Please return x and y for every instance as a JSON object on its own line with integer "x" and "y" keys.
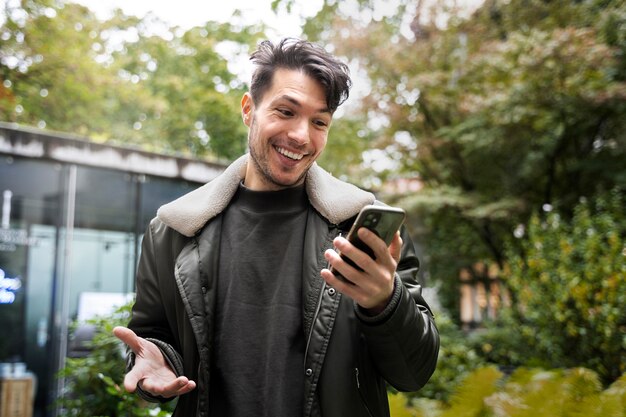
{"x": 158, "y": 191}
{"x": 105, "y": 200}
{"x": 31, "y": 198}
{"x": 30, "y": 192}
{"x": 40, "y": 269}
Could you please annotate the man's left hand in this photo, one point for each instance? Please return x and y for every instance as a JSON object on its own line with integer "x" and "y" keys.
{"x": 372, "y": 287}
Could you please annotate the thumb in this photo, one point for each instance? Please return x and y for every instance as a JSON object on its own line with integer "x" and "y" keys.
{"x": 128, "y": 337}
{"x": 131, "y": 339}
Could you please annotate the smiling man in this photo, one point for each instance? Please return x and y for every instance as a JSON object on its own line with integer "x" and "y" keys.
{"x": 237, "y": 313}
{"x": 288, "y": 130}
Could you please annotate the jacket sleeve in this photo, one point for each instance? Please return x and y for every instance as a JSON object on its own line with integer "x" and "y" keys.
{"x": 149, "y": 318}
{"x": 403, "y": 340}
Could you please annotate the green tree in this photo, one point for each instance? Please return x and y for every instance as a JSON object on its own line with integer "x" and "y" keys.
{"x": 116, "y": 80}
{"x": 513, "y": 108}
{"x": 49, "y": 71}
{"x": 195, "y": 94}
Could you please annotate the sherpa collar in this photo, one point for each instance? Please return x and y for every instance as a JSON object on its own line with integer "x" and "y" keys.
{"x": 336, "y": 200}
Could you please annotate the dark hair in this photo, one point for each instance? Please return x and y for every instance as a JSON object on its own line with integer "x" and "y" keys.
{"x": 295, "y": 54}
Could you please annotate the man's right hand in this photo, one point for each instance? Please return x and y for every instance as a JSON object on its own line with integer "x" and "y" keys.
{"x": 151, "y": 372}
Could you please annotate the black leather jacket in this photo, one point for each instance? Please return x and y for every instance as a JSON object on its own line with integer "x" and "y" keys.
{"x": 349, "y": 356}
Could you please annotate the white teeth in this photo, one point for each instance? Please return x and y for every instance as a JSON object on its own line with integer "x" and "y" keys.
{"x": 288, "y": 154}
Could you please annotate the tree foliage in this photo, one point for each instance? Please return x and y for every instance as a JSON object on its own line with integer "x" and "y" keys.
{"x": 516, "y": 107}
{"x": 117, "y": 80}
{"x": 507, "y": 116}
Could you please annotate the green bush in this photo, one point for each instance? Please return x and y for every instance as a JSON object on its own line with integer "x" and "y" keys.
{"x": 456, "y": 359}
{"x": 94, "y": 384}
{"x": 569, "y": 283}
{"x": 499, "y": 342}
{"x": 487, "y": 392}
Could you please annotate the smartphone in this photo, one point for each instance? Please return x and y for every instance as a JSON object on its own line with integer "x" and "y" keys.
{"x": 384, "y": 221}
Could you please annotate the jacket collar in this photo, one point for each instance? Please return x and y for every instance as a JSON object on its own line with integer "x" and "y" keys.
{"x": 335, "y": 200}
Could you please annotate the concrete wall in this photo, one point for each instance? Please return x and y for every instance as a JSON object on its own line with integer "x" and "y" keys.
{"x": 35, "y": 143}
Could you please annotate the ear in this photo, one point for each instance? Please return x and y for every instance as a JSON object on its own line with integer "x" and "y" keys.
{"x": 247, "y": 107}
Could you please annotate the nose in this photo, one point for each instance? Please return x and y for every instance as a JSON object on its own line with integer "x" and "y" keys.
{"x": 299, "y": 131}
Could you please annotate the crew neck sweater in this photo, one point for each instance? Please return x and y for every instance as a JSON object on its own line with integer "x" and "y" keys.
{"x": 259, "y": 339}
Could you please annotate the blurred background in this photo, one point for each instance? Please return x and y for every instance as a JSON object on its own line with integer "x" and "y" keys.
{"x": 499, "y": 125}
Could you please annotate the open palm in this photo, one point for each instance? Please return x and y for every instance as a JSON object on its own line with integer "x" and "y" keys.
{"x": 151, "y": 371}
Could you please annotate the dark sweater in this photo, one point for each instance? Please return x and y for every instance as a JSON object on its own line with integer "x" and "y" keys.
{"x": 257, "y": 363}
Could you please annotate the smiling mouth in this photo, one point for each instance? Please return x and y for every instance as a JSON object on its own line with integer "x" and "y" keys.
{"x": 289, "y": 154}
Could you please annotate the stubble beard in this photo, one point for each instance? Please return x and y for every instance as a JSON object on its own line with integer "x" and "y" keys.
{"x": 261, "y": 161}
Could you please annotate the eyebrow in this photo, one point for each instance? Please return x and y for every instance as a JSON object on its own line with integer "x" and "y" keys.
{"x": 296, "y": 103}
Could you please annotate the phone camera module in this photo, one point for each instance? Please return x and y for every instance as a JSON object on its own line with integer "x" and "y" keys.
{"x": 371, "y": 220}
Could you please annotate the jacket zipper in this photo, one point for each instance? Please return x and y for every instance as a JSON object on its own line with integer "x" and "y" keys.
{"x": 358, "y": 386}
{"x": 317, "y": 311}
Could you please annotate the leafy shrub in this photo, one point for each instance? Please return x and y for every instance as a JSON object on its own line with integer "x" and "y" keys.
{"x": 456, "y": 359}
{"x": 500, "y": 343}
{"x": 94, "y": 383}
{"x": 570, "y": 287}
{"x": 487, "y": 392}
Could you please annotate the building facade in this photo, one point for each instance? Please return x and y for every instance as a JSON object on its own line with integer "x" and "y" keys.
{"x": 73, "y": 215}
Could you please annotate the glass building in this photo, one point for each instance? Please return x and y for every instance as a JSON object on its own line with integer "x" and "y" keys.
{"x": 73, "y": 215}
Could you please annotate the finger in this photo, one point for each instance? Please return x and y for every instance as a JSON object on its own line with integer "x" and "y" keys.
{"x": 340, "y": 266}
{"x": 131, "y": 380}
{"x": 178, "y": 386}
{"x": 357, "y": 293}
{"x": 371, "y": 239}
{"x": 352, "y": 252}
{"x": 190, "y": 386}
{"x": 128, "y": 337}
{"x": 341, "y": 285}
{"x": 350, "y": 280}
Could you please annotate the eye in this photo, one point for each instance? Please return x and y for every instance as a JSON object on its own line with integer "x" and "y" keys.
{"x": 320, "y": 123}
{"x": 285, "y": 112}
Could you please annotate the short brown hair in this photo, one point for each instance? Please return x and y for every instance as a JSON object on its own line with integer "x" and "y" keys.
{"x": 295, "y": 54}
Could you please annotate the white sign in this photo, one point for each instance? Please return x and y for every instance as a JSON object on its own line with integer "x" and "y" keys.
{"x": 92, "y": 304}
{"x": 8, "y": 288}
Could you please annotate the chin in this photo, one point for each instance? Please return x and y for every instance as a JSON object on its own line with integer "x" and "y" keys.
{"x": 288, "y": 182}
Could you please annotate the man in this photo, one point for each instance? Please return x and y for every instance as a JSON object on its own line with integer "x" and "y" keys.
{"x": 237, "y": 313}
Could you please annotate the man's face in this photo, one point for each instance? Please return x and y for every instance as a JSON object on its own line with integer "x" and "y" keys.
{"x": 288, "y": 129}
